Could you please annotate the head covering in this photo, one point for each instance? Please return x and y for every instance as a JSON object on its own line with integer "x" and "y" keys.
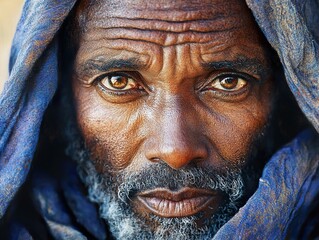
{"x": 31, "y": 85}
{"x": 289, "y": 180}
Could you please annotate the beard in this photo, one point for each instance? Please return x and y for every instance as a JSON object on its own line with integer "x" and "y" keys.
{"x": 114, "y": 193}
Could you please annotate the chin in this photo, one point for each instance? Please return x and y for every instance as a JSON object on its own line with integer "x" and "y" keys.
{"x": 125, "y": 222}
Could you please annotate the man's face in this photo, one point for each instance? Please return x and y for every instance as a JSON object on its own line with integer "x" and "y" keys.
{"x": 171, "y": 98}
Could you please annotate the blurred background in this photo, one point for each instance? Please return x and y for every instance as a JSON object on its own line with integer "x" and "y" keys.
{"x": 10, "y": 11}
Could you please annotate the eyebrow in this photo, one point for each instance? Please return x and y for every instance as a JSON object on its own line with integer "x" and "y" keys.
{"x": 252, "y": 65}
{"x": 96, "y": 66}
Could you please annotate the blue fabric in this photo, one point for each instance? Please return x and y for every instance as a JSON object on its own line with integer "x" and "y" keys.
{"x": 59, "y": 210}
{"x": 31, "y": 85}
{"x": 289, "y": 183}
{"x": 291, "y": 27}
{"x": 284, "y": 187}
{"x": 290, "y": 179}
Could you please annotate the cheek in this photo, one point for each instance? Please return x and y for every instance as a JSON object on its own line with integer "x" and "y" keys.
{"x": 236, "y": 126}
{"x": 110, "y": 133}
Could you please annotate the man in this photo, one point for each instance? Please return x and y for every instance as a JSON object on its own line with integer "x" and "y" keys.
{"x": 170, "y": 111}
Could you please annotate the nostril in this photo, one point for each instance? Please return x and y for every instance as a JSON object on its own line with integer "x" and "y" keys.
{"x": 199, "y": 159}
{"x": 155, "y": 159}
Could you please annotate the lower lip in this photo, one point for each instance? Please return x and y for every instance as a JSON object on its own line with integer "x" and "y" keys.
{"x": 168, "y": 208}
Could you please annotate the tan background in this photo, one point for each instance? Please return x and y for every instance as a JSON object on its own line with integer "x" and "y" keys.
{"x": 9, "y": 15}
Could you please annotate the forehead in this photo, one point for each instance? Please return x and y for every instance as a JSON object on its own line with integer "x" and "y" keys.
{"x": 162, "y": 33}
{"x": 201, "y": 17}
{"x": 162, "y": 10}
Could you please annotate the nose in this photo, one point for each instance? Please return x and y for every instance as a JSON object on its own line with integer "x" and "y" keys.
{"x": 175, "y": 138}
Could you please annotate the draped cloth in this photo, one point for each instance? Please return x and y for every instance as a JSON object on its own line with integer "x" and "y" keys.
{"x": 290, "y": 182}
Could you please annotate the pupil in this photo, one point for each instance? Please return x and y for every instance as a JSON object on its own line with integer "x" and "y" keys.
{"x": 229, "y": 83}
{"x": 118, "y": 82}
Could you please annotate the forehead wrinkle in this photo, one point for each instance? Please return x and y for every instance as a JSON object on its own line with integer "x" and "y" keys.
{"x": 168, "y": 64}
{"x": 165, "y": 5}
{"x": 185, "y": 11}
{"x": 153, "y": 4}
{"x": 193, "y": 27}
{"x": 173, "y": 66}
{"x": 165, "y": 10}
{"x": 160, "y": 38}
{"x": 197, "y": 26}
{"x": 190, "y": 27}
{"x": 183, "y": 64}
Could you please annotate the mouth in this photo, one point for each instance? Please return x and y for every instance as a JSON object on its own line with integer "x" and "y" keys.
{"x": 182, "y": 203}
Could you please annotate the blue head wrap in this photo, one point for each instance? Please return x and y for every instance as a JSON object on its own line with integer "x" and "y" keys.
{"x": 290, "y": 179}
{"x": 31, "y": 85}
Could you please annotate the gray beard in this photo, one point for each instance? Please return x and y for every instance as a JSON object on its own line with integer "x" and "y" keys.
{"x": 113, "y": 195}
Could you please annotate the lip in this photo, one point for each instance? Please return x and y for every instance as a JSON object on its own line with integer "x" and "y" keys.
{"x": 182, "y": 203}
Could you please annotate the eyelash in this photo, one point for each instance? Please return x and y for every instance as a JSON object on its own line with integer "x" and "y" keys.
{"x": 217, "y": 92}
{"x": 118, "y": 93}
{"x": 120, "y": 96}
{"x": 227, "y": 94}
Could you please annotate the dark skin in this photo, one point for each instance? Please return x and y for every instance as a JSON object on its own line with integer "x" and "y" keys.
{"x": 181, "y": 83}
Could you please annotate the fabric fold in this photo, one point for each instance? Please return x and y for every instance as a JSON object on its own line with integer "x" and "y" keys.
{"x": 31, "y": 85}
{"x": 291, "y": 27}
{"x": 283, "y": 188}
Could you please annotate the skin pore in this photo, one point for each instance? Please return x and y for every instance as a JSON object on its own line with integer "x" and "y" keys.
{"x": 172, "y": 102}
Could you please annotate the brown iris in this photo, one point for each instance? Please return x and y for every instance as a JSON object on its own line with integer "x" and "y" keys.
{"x": 118, "y": 82}
{"x": 229, "y": 82}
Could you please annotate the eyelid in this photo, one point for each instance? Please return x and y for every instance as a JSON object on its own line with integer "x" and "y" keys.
{"x": 212, "y": 77}
{"x": 119, "y": 95}
{"x": 99, "y": 77}
{"x": 95, "y": 77}
{"x": 136, "y": 76}
{"x": 105, "y": 82}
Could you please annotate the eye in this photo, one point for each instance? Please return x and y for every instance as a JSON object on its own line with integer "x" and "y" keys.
{"x": 119, "y": 82}
{"x": 120, "y": 87}
{"x": 228, "y": 83}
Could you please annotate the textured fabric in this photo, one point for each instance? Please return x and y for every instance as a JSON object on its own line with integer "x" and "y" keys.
{"x": 291, "y": 176}
{"x": 289, "y": 184}
{"x": 292, "y": 28}
{"x": 62, "y": 200}
{"x": 31, "y": 85}
{"x": 283, "y": 188}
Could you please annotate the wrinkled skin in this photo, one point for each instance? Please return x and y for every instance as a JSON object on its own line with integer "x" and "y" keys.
{"x": 199, "y": 85}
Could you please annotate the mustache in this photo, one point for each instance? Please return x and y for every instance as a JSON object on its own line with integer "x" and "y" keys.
{"x": 160, "y": 175}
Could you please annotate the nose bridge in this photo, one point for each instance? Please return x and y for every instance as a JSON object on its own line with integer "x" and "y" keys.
{"x": 175, "y": 139}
